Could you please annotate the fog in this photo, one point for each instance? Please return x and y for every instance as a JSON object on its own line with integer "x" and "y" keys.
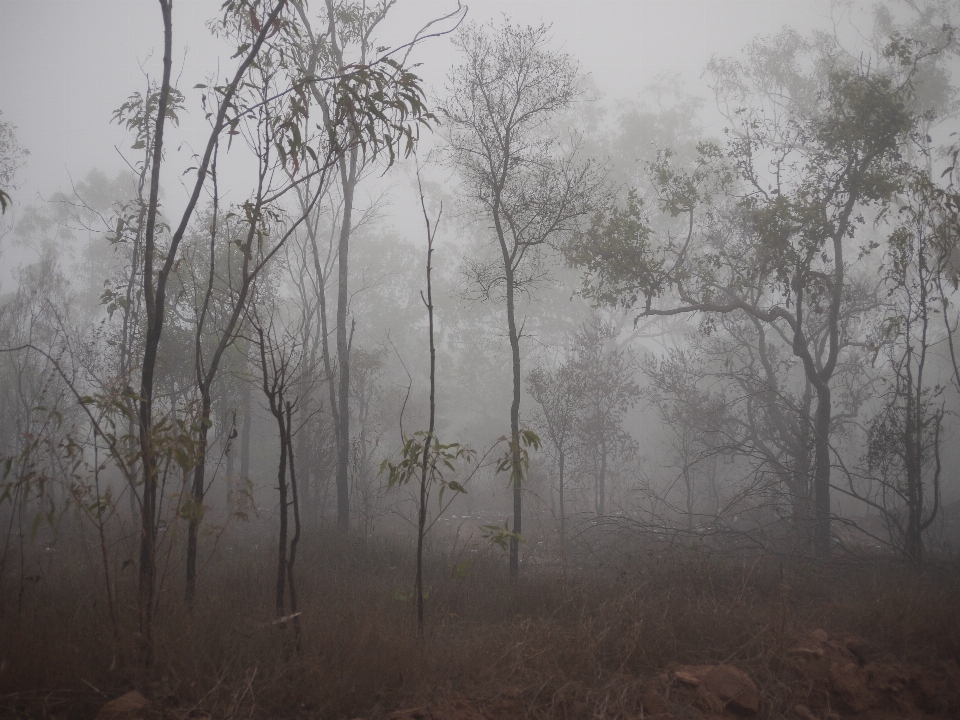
{"x": 412, "y": 359}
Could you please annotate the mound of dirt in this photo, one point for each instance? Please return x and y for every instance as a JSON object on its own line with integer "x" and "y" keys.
{"x": 701, "y": 691}
{"x": 840, "y": 677}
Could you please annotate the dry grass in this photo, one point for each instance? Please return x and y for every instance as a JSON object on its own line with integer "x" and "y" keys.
{"x": 573, "y": 643}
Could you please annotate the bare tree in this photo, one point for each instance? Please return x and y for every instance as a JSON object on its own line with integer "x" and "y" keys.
{"x": 608, "y": 392}
{"x": 517, "y": 173}
{"x": 559, "y": 393}
{"x": 280, "y": 360}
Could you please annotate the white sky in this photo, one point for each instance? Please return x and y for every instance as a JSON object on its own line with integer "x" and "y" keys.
{"x": 66, "y": 64}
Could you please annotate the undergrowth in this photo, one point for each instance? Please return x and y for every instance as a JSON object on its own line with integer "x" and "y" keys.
{"x": 576, "y": 637}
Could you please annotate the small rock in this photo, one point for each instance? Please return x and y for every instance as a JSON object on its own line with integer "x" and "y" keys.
{"x": 805, "y": 650}
{"x": 686, "y": 678}
{"x": 420, "y": 713}
{"x": 803, "y": 712}
{"x": 820, "y": 635}
{"x": 733, "y": 686}
{"x": 130, "y": 705}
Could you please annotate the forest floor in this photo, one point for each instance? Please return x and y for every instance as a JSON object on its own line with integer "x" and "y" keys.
{"x": 626, "y": 629}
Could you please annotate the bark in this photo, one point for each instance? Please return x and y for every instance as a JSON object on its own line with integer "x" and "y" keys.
{"x": 602, "y": 477}
{"x": 295, "y": 540}
{"x": 245, "y": 434}
{"x": 154, "y": 306}
{"x": 515, "y": 476}
{"x": 196, "y": 498}
{"x": 563, "y": 516}
{"x": 821, "y": 479}
{"x": 348, "y": 176}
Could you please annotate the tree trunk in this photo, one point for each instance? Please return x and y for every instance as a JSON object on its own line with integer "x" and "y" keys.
{"x": 305, "y": 498}
{"x": 196, "y": 498}
{"x": 228, "y": 450}
{"x": 801, "y": 491}
{"x": 245, "y": 434}
{"x": 282, "y": 547}
{"x": 295, "y": 540}
{"x": 515, "y": 478}
{"x": 602, "y": 478}
{"x": 821, "y": 481}
{"x": 348, "y": 176}
{"x": 154, "y": 306}
{"x": 563, "y": 516}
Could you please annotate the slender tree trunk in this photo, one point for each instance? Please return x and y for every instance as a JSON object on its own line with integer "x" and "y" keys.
{"x": 821, "y": 480}
{"x": 515, "y": 477}
{"x": 802, "y": 487}
{"x": 282, "y": 546}
{"x": 295, "y": 541}
{"x": 303, "y": 450}
{"x": 196, "y": 499}
{"x": 245, "y": 434}
{"x": 348, "y": 177}
{"x": 154, "y": 307}
{"x": 602, "y": 478}
{"x": 425, "y": 468}
{"x": 563, "y": 516}
{"x": 228, "y": 450}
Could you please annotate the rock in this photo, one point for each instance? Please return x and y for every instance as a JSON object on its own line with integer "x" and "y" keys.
{"x": 686, "y": 678}
{"x": 820, "y": 635}
{"x": 849, "y": 688}
{"x": 806, "y": 650}
{"x": 420, "y": 713}
{"x": 131, "y": 705}
{"x": 803, "y": 712}
{"x": 733, "y": 686}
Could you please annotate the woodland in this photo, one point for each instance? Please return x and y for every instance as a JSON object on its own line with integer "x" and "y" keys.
{"x": 493, "y": 400}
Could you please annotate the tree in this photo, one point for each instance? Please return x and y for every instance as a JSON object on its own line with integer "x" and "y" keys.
{"x": 767, "y": 222}
{"x": 424, "y": 454}
{"x": 608, "y": 391}
{"x": 280, "y": 359}
{"x": 516, "y": 172}
{"x": 559, "y": 393}
{"x": 693, "y": 417}
{"x": 903, "y": 453}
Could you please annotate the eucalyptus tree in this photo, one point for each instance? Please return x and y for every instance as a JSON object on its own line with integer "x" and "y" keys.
{"x": 770, "y": 224}
{"x": 520, "y": 176}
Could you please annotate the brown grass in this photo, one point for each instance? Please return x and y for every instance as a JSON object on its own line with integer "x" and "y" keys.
{"x": 577, "y": 642}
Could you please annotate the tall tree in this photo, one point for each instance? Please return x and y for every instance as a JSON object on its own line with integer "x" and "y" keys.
{"x": 768, "y": 222}
{"x": 518, "y": 173}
